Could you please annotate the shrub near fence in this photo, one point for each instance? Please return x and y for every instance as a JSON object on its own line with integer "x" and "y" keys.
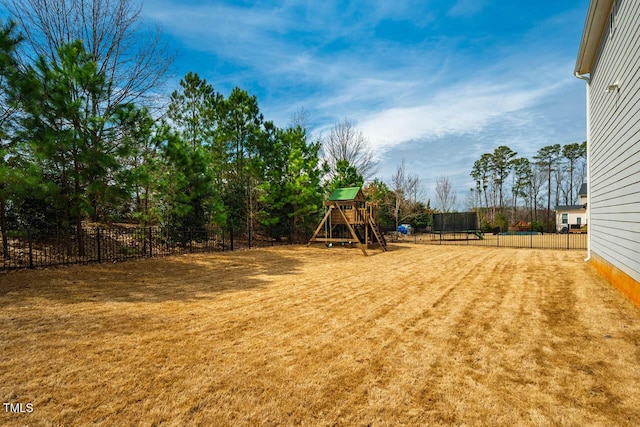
{"x": 43, "y": 248}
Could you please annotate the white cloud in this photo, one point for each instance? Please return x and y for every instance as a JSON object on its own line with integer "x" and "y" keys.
{"x": 452, "y": 111}
{"x": 450, "y": 93}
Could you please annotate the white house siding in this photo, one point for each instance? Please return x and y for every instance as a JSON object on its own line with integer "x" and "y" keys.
{"x": 572, "y": 217}
{"x": 614, "y": 187}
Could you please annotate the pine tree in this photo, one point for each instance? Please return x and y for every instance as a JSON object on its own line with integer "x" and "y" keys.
{"x": 501, "y": 165}
{"x": 70, "y": 141}
{"x": 547, "y": 159}
{"x": 9, "y": 170}
{"x": 290, "y": 193}
{"x": 193, "y": 115}
{"x": 345, "y": 175}
{"x": 572, "y": 153}
{"x": 240, "y": 130}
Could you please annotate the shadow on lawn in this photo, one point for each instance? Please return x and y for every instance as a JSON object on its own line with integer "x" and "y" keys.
{"x": 177, "y": 278}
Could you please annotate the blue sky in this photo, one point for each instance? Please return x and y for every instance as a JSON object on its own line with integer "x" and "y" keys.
{"x": 436, "y": 82}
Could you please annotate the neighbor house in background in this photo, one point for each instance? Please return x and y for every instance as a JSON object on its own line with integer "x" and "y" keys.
{"x": 573, "y": 218}
{"x": 609, "y": 60}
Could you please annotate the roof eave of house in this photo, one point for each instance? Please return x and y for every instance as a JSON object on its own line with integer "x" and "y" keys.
{"x": 583, "y": 190}
{"x": 570, "y": 207}
{"x": 594, "y": 26}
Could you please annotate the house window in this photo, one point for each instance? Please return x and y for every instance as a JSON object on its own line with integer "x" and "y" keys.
{"x": 565, "y": 218}
{"x": 579, "y": 221}
{"x": 612, "y": 17}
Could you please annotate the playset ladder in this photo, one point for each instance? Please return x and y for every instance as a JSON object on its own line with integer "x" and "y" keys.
{"x": 379, "y": 236}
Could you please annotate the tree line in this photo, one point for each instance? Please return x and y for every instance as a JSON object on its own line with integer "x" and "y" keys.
{"x": 86, "y": 137}
{"x": 72, "y": 152}
{"x": 510, "y": 188}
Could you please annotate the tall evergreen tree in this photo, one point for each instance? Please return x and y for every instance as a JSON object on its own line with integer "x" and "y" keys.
{"x": 481, "y": 173}
{"x": 521, "y": 180}
{"x": 193, "y": 110}
{"x": 185, "y": 182}
{"x": 193, "y": 115}
{"x": 346, "y": 175}
{"x": 547, "y": 159}
{"x": 290, "y": 193}
{"x": 9, "y": 172}
{"x": 572, "y": 153}
{"x": 240, "y": 131}
{"x": 67, "y": 136}
{"x": 501, "y": 165}
{"x": 143, "y": 165}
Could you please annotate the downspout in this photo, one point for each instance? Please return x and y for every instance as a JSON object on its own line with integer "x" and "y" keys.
{"x": 588, "y": 80}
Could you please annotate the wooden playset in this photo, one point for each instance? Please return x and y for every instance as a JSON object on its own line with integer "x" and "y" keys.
{"x": 350, "y": 220}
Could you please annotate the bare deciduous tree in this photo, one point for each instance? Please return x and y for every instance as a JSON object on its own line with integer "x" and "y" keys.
{"x": 406, "y": 189}
{"x": 131, "y": 57}
{"x": 123, "y": 59}
{"x": 445, "y": 195}
{"x": 345, "y": 142}
{"x": 471, "y": 200}
{"x": 536, "y": 184}
{"x": 300, "y": 118}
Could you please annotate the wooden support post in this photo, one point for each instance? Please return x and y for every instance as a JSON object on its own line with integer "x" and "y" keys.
{"x": 366, "y": 233}
{"x": 315, "y": 233}
{"x": 367, "y": 218}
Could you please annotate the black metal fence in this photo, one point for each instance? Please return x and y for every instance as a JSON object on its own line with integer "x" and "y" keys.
{"x": 44, "y": 248}
{"x": 511, "y": 239}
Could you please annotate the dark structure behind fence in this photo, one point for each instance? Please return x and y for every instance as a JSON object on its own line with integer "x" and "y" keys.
{"x": 43, "y": 248}
{"x": 455, "y": 221}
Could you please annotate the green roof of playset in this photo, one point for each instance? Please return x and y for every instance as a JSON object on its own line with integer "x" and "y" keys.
{"x": 343, "y": 194}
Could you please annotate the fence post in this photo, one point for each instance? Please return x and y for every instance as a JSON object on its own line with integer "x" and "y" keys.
{"x": 30, "y": 248}
{"x": 150, "y": 242}
{"x": 498, "y": 239}
{"x": 98, "y": 242}
{"x": 568, "y": 237}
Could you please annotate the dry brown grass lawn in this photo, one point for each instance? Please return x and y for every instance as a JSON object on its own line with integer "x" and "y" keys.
{"x": 420, "y": 335}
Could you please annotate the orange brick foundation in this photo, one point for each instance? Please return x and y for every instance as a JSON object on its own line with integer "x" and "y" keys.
{"x": 621, "y": 280}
